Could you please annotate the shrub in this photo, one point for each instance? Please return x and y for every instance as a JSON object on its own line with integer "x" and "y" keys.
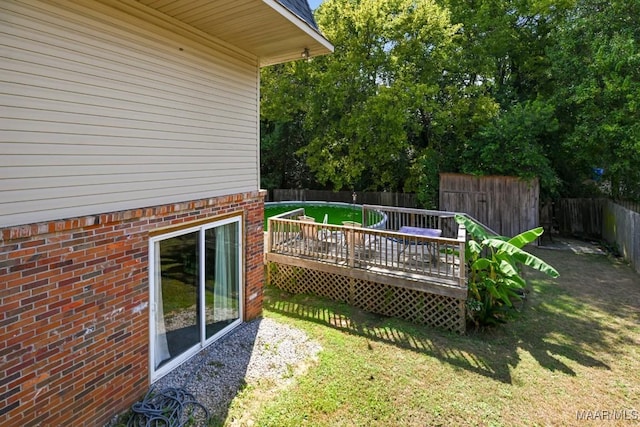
{"x": 494, "y": 267}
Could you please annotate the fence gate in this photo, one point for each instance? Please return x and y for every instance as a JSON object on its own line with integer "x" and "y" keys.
{"x": 508, "y": 205}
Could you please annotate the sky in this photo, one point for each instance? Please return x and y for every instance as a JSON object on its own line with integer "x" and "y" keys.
{"x": 314, "y": 3}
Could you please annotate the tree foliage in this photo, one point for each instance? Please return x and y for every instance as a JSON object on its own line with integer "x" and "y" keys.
{"x": 380, "y": 90}
{"x": 520, "y": 138}
{"x": 388, "y": 96}
{"x": 418, "y": 87}
{"x": 595, "y": 57}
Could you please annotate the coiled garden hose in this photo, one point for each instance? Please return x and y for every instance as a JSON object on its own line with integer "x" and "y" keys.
{"x": 169, "y": 407}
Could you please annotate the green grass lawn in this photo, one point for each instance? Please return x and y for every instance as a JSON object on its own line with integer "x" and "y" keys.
{"x": 575, "y": 346}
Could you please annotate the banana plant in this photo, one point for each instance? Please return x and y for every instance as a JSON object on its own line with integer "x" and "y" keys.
{"x": 495, "y": 275}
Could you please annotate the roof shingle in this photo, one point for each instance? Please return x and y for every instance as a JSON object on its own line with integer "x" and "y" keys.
{"x": 302, "y": 10}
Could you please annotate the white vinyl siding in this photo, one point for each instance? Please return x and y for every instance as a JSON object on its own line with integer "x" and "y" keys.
{"x": 100, "y": 113}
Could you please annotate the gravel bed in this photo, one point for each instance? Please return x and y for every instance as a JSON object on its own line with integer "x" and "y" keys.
{"x": 255, "y": 351}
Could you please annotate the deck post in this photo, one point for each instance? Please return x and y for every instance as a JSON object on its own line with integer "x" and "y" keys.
{"x": 270, "y": 236}
{"x": 351, "y": 246}
{"x": 462, "y": 236}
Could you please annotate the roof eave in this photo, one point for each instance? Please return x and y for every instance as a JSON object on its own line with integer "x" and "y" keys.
{"x": 317, "y": 44}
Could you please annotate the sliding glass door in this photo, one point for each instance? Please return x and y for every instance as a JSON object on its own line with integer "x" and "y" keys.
{"x": 196, "y": 290}
{"x": 222, "y": 278}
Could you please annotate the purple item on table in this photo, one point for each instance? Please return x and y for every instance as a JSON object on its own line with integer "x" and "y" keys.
{"x": 419, "y": 231}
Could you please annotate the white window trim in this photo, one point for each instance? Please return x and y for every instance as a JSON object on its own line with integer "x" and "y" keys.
{"x": 156, "y": 374}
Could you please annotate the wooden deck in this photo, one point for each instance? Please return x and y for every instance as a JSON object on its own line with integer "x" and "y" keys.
{"x": 374, "y": 265}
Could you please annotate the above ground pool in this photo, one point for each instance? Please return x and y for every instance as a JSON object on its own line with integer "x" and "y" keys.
{"x": 336, "y": 212}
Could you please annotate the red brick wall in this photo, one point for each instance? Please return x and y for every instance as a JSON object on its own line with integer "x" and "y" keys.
{"x": 74, "y": 309}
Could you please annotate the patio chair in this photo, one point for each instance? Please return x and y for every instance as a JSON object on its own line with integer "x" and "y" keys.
{"x": 363, "y": 243}
{"x": 306, "y": 230}
{"x": 324, "y": 233}
{"x": 310, "y": 234}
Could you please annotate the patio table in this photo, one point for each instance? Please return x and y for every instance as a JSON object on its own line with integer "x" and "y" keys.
{"x": 416, "y": 231}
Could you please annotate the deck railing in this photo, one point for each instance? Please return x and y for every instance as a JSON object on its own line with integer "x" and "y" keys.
{"x": 380, "y": 250}
{"x": 393, "y": 218}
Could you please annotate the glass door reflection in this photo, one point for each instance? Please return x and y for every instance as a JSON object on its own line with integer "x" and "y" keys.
{"x": 222, "y": 281}
{"x": 177, "y": 325}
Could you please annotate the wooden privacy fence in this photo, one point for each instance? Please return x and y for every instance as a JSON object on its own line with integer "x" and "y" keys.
{"x": 598, "y": 218}
{"x": 508, "y": 205}
{"x": 362, "y": 197}
{"x": 628, "y": 204}
{"x": 581, "y": 217}
{"x": 621, "y": 227}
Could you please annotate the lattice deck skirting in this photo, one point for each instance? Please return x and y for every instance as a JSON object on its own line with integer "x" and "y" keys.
{"x": 417, "y": 306}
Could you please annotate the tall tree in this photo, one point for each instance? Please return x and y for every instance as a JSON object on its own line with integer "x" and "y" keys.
{"x": 596, "y": 72}
{"x": 516, "y": 143}
{"x": 283, "y": 110}
{"x": 505, "y": 43}
{"x": 416, "y": 87}
{"x": 390, "y": 95}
